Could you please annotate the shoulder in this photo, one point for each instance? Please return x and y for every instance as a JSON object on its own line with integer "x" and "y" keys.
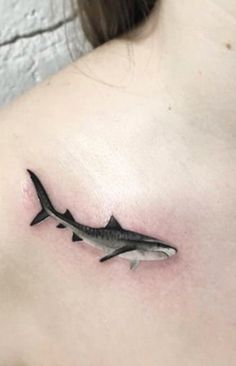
{"x": 80, "y": 92}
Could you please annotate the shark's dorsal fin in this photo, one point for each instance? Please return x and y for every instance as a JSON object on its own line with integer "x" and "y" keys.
{"x": 113, "y": 224}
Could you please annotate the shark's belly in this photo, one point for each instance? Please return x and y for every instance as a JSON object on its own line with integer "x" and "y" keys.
{"x": 108, "y": 247}
{"x": 143, "y": 255}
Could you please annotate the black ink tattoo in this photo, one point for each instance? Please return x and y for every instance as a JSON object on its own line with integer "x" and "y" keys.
{"x": 112, "y": 238}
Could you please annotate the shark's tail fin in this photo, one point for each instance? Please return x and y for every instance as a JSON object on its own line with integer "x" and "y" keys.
{"x": 46, "y": 204}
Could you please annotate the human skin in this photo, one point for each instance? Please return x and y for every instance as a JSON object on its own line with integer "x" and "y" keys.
{"x": 152, "y": 143}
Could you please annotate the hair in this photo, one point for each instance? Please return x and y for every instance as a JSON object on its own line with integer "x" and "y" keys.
{"x": 103, "y": 20}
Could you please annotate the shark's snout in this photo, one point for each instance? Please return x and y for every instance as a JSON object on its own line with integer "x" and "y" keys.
{"x": 171, "y": 251}
{"x": 168, "y": 250}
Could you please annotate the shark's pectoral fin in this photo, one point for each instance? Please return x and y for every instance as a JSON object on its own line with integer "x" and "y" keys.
{"x": 76, "y": 237}
{"x": 134, "y": 263}
{"x": 114, "y": 253}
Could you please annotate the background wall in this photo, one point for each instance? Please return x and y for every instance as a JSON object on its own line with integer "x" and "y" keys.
{"x": 36, "y": 38}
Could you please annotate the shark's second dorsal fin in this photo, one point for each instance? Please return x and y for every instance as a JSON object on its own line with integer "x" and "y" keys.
{"x": 113, "y": 224}
{"x": 69, "y": 215}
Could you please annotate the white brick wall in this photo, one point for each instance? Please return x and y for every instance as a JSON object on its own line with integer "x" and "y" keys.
{"x": 34, "y": 40}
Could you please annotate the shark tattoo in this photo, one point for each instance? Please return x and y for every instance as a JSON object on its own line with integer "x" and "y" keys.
{"x": 112, "y": 238}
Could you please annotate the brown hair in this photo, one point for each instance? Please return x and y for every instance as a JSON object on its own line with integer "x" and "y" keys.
{"x": 103, "y": 20}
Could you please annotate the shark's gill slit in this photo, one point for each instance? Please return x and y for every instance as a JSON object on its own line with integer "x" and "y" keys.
{"x": 113, "y": 239}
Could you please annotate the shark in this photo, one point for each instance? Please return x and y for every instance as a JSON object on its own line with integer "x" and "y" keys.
{"x": 112, "y": 239}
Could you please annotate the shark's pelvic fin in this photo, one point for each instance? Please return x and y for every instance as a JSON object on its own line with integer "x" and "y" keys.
{"x": 134, "y": 263}
{"x": 126, "y": 248}
{"x": 76, "y": 237}
{"x": 40, "y": 217}
{"x": 61, "y": 226}
{"x": 113, "y": 224}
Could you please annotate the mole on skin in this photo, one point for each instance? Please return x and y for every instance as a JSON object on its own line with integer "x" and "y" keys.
{"x": 228, "y": 45}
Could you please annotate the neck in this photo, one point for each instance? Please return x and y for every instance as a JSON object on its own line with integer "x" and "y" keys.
{"x": 193, "y": 57}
